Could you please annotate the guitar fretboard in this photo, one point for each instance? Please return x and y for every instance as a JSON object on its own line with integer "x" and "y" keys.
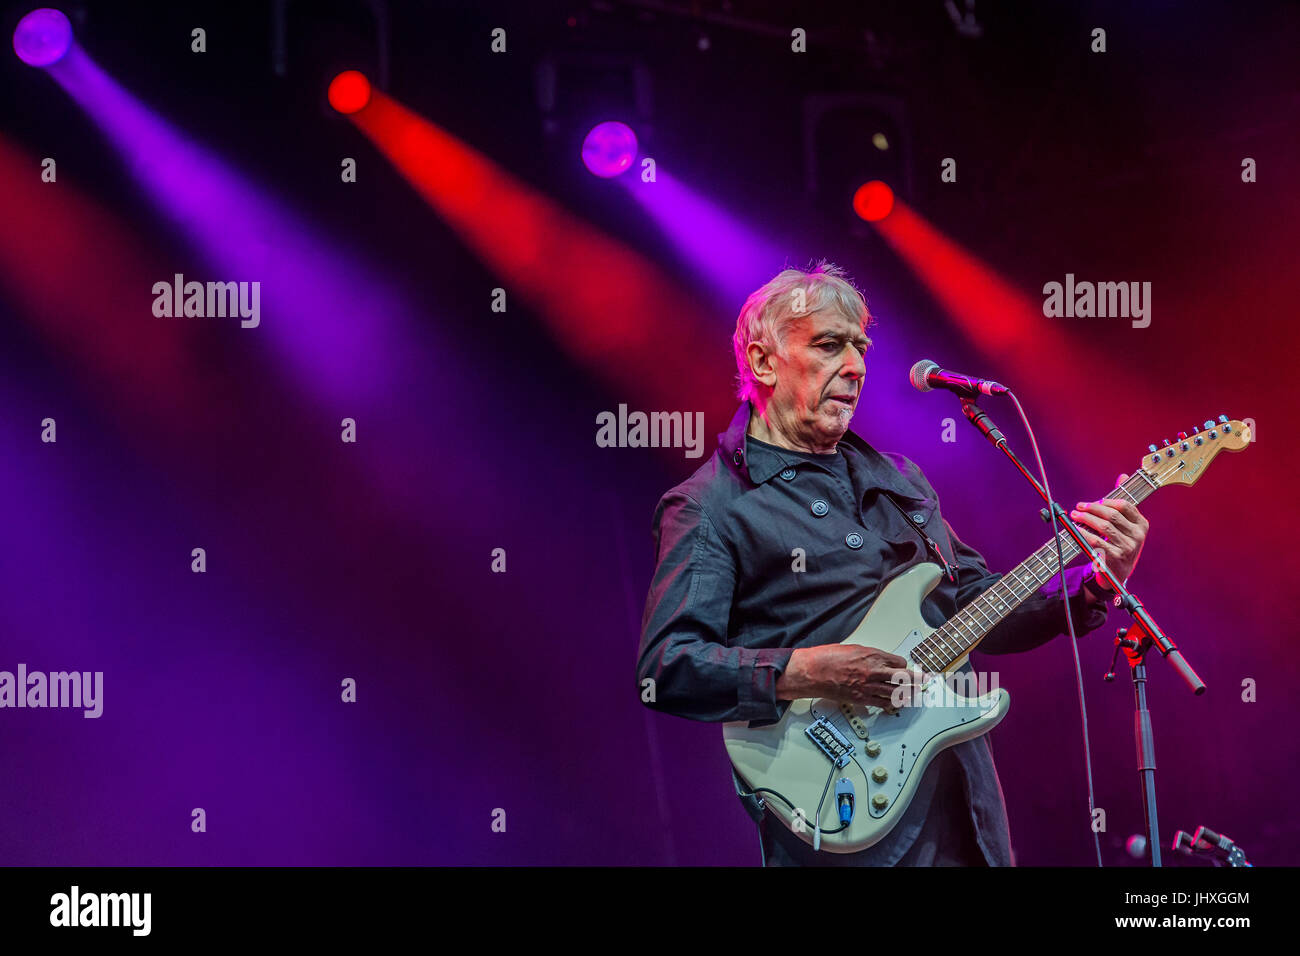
{"x": 965, "y": 629}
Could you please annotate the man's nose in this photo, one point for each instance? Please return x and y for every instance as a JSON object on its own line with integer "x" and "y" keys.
{"x": 855, "y": 366}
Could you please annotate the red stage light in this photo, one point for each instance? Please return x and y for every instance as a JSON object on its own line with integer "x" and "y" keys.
{"x": 873, "y": 201}
{"x": 349, "y": 92}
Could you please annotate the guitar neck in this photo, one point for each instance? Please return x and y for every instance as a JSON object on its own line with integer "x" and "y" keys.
{"x": 964, "y": 630}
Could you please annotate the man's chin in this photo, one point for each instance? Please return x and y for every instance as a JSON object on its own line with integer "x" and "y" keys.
{"x": 837, "y": 422}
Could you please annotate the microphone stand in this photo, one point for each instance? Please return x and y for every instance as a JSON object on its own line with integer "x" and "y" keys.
{"x": 1149, "y": 633}
{"x": 1135, "y": 652}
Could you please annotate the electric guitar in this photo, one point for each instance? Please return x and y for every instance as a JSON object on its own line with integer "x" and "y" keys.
{"x": 821, "y": 748}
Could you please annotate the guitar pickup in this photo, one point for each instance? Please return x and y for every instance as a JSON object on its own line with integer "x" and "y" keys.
{"x": 830, "y": 741}
{"x": 857, "y": 723}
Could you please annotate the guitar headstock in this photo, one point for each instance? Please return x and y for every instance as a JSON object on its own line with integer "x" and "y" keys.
{"x": 1184, "y": 460}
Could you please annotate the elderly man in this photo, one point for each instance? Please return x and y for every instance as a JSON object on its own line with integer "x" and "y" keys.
{"x": 737, "y": 624}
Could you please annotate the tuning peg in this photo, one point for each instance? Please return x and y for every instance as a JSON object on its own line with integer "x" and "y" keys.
{"x": 1223, "y": 418}
{"x": 1152, "y": 448}
{"x": 1209, "y": 423}
{"x": 1167, "y": 443}
{"x": 1182, "y": 435}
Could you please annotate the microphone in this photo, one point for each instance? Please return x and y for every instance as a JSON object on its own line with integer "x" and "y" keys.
{"x": 927, "y": 375}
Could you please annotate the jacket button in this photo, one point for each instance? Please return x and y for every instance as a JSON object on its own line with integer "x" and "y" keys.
{"x": 737, "y": 456}
{"x": 853, "y": 540}
{"x": 918, "y": 517}
{"x": 788, "y": 474}
{"x": 820, "y": 508}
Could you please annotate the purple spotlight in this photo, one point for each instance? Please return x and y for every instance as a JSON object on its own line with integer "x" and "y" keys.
{"x": 609, "y": 148}
{"x": 42, "y": 37}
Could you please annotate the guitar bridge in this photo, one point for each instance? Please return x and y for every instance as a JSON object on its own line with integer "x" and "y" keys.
{"x": 830, "y": 741}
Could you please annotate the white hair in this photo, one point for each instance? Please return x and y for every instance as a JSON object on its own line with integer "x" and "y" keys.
{"x": 767, "y": 313}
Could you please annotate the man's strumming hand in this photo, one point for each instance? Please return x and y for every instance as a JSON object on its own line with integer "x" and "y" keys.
{"x": 847, "y": 673}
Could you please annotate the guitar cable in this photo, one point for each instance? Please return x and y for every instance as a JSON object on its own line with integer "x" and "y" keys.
{"x": 817, "y": 833}
{"x": 786, "y": 800}
{"x": 794, "y": 809}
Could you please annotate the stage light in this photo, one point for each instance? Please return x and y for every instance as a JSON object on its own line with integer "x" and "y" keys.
{"x": 42, "y": 37}
{"x": 880, "y": 141}
{"x": 873, "y": 201}
{"x": 349, "y": 91}
{"x": 609, "y": 149}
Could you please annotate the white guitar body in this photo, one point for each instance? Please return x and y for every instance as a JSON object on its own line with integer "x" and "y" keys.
{"x": 887, "y": 754}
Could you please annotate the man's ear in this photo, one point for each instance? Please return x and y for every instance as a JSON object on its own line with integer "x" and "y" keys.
{"x": 761, "y": 364}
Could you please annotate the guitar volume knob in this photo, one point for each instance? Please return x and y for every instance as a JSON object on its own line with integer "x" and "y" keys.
{"x": 879, "y": 801}
{"x": 880, "y": 775}
{"x": 872, "y": 748}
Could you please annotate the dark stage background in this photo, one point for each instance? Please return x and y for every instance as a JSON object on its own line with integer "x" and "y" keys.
{"x": 372, "y": 560}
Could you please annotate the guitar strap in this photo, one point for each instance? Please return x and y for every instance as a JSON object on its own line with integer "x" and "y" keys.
{"x": 929, "y": 541}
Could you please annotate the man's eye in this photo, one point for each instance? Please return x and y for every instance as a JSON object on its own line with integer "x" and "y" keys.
{"x": 834, "y": 347}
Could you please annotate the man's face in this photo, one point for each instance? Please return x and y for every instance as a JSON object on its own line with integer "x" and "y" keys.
{"x": 819, "y": 382}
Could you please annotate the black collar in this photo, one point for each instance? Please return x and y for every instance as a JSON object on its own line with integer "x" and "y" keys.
{"x": 759, "y": 463}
